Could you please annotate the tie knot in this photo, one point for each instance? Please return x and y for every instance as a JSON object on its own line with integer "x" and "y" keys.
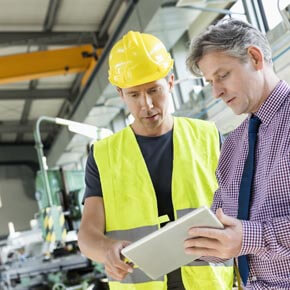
{"x": 254, "y": 124}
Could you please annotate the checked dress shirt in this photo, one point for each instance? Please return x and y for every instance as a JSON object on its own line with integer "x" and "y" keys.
{"x": 266, "y": 235}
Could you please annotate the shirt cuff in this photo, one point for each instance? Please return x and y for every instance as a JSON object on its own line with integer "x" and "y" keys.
{"x": 252, "y": 238}
{"x": 214, "y": 260}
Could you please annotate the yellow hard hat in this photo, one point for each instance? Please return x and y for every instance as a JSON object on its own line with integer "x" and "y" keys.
{"x": 138, "y": 58}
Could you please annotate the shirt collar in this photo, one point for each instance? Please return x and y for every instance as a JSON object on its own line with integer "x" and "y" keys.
{"x": 272, "y": 104}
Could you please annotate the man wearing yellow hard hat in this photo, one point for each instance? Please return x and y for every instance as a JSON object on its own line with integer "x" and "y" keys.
{"x": 155, "y": 170}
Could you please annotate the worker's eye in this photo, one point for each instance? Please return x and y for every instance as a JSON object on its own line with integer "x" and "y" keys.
{"x": 154, "y": 91}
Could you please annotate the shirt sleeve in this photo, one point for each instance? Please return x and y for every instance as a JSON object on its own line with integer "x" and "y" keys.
{"x": 270, "y": 240}
{"x": 92, "y": 178}
{"x": 217, "y": 201}
{"x": 217, "y": 198}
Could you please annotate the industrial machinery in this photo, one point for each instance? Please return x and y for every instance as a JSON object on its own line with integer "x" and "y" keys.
{"x": 47, "y": 256}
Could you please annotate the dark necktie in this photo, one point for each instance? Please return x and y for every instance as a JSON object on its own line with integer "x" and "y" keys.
{"x": 245, "y": 189}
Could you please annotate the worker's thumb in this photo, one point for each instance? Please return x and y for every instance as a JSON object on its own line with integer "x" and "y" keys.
{"x": 225, "y": 219}
{"x": 126, "y": 243}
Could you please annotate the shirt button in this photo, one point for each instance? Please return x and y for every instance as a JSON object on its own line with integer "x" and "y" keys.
{"x": 254, "y": 278}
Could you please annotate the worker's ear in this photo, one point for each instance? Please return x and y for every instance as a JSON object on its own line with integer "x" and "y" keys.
{"x": 120, "y": 92}
{"x": 256, "y": 57}
{"x": 171, "y": 82}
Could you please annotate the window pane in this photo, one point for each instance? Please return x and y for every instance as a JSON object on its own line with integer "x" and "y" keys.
{"x": 272, "y": 12}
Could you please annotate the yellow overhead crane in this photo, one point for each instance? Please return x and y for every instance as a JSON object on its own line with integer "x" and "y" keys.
{"x": 40, "y": 64}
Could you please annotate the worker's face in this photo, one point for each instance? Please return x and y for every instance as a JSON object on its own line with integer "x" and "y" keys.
{"x": 238, "y": 84}
{"x": 149, "y": 103}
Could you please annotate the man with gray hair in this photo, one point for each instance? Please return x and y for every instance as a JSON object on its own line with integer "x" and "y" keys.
{"x": 253, "y": 198}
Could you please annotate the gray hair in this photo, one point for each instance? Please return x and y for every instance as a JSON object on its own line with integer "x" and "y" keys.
{"x": 231, "y": 36}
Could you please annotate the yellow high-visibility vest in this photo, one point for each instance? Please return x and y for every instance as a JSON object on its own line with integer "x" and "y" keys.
{"x": 130, "y": 202}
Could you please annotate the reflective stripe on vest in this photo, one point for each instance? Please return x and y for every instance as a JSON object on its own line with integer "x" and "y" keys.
{"x": 130, "y": 202}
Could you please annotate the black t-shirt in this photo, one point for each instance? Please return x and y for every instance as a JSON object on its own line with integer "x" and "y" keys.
{"x": 158, "y": 155}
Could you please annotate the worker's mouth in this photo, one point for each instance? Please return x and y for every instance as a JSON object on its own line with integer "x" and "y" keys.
{"x": 151, "y": 118}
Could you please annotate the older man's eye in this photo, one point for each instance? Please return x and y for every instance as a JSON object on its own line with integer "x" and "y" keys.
{"x": 224, "y": 75}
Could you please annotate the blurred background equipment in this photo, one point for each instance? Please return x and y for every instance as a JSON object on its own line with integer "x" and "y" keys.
{"x": 47, "y": 256}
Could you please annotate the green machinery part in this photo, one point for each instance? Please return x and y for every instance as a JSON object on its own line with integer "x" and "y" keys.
{"x": 67, "y": 189}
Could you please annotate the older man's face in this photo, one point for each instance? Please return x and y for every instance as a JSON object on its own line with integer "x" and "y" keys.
{"x": 239, "y": 85}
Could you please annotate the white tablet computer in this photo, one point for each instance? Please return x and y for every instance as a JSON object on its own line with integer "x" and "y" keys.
{"x": 162, "y": 251}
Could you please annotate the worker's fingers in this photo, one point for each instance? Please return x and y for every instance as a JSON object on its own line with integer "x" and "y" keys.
{"x": 118, "y": 263}
{"x": 116, "y": 273}
{"x": 114, "y": 259}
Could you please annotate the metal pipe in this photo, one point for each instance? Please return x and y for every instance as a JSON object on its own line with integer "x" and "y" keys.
{"x": 251, "y": 13}
{"x": 76, "y": 127}
{"x": 263, "y": 15}
{"x": 41, "y": 157}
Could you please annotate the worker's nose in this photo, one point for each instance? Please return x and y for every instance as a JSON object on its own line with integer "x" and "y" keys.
{"x": 146, "y": 101}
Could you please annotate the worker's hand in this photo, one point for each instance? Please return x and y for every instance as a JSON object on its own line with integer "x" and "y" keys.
{"x": 114, "y": 265}
{"x": 222, "y": 243}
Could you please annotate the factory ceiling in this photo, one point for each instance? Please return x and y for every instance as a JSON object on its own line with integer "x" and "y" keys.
{"x": 53, "y": 62}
